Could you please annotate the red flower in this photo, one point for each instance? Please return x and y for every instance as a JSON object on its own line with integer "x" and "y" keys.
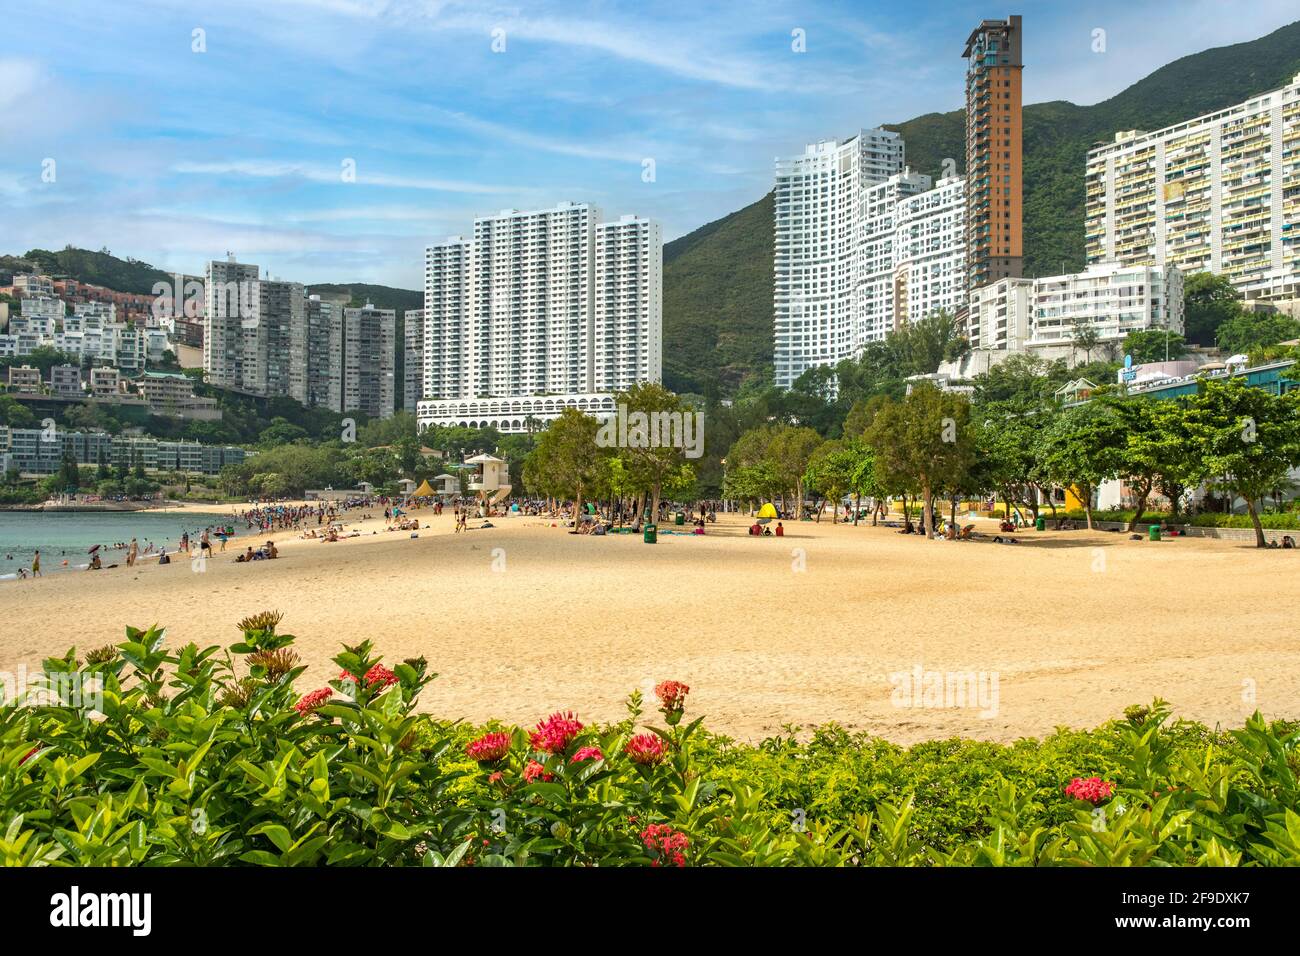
{"x": 645, "y": 749}
{"x": 587, "y": 753}
{"x": 672, "y": 694}
{"x": 535, "y": 771}
{"x": 378, "y": 674}
{"x": 666, "y": 843}
{"x": 312, "y": 701}
{"x": 555, "y": 733}
{"x": 1091, "y": 789}
{"x": 490, "y": 748}
{"x": 495, "y": 777}
{"x": 381, "y": 675}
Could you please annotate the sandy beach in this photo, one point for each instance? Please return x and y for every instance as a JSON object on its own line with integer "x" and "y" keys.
{"x": 523, "y": 619}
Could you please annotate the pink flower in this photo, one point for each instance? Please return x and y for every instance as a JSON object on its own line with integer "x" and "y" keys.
{"x": 535, "y": 771}
{"x": 666, "y": 843}
{"x": 1091, "y": 789}
{"x": 587, "y": 753}
{"x": 314, "y": 700}
{"x": 490, "y": 748}
{"x": 554, "y": 734}
{"x": 645, "y": 749}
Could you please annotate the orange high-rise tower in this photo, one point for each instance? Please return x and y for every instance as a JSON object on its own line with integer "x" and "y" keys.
{"x": 994, "y": 153}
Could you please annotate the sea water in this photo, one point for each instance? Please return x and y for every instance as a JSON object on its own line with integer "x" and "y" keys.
{"x": 67, "y": 536}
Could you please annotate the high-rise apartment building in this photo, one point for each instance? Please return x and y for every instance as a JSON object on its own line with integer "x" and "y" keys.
{"x": 447, "y": 303}
{"x": 230, "y": 300}
{"x": 317, "y": 354}
{"x": 412, "y": 359}
{"x": 930, "y": 250}
{"x": 994, "y": 154}
{"x": 1217, "y": 193}
{"x": 266, "y": 340}
{"x": 627, "y": 311}
{"x": 819, "y": 208}
{"x": 863, "y": 246}
{"x": 369, "y": 346}
{"x": 546, "y": 303}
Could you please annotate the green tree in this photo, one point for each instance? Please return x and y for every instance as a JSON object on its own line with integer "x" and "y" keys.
{"x": 1155, "y": 451}
{"x": 1255, "y": 330}
{"x": 567, "y": 460}
{"x": 1080, "y": 449}
{"x": 1247, "y": 436}
{"x": 651, "y": 465}
{"x": 924, "y": 441}
{"x": 830, "y": 474}
{"x": 1209, "y": 300}
{"x": 1154, "y": 345}
{"x": 1084, "y": 336}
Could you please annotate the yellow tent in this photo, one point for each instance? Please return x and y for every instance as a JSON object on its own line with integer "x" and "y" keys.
{"x": 766, "y": 513}
{"x": 424, "y": 491}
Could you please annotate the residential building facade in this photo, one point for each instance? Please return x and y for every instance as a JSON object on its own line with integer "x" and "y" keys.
{"x": 1218, "y": 193}
{"x": 994, "y": 152}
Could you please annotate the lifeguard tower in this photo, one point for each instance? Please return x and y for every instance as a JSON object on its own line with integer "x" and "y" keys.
{"x": 490, "y": 480}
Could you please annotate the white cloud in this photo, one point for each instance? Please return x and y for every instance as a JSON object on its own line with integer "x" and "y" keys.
{"x": 18, "y": 80}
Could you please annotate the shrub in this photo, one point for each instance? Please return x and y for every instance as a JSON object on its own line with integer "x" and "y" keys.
{"x": 211, "y": 757}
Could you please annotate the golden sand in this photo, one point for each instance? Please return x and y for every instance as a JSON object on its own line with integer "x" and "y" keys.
{"x": 524, "y": 619}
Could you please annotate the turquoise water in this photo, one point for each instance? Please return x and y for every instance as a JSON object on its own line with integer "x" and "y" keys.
{"x": 68, "y": 535}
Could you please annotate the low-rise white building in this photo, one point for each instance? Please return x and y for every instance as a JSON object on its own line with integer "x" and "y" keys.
{"x": 511, "y": 415}
{"x": 1017, "y": 315}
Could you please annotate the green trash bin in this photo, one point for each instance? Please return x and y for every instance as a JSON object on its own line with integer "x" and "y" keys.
{"x": 1040, "y": 523}
{"x": 651, "y": 534}
{"x": 681, "y": 518}
{"x": 1153, "y": 532}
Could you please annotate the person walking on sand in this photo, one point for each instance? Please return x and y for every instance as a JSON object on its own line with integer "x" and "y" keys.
{"x": 131, "y": 553}
{"x": 36, "y": 565}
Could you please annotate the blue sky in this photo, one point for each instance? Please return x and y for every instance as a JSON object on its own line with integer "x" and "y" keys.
{"x": 175, "y": 156}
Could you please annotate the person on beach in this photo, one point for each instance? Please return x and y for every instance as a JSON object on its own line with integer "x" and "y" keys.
{"x": 132, "y": 551}
{"x": 36, "y": 565}
{"x": 205, "y": 544}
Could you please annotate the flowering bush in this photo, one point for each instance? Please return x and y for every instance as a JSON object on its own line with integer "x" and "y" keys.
{"x": 199, "y": 757}
{"x": 1094, "y": 790}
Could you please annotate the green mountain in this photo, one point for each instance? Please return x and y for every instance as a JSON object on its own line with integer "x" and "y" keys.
{"x": 718, "y": 279}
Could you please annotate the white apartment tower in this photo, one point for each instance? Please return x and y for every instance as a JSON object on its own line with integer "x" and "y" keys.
{"x": 818, "y": 207}
{"x": 447, "y": 298}
{"x": 863, "y": 245}
{"x": 1218, "y": 193}
{"x": 545, "y": 303}
{"x": 930, "y": 251}
{"x": 627, "y": 313}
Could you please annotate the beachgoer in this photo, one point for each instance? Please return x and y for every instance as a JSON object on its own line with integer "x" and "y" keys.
{"x": 780, "y": 530}
{"x": 36, "y": 565}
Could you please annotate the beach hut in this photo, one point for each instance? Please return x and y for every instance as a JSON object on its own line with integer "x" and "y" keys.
{"x": 448, "y": 485}
{"x": 406, "y": 486}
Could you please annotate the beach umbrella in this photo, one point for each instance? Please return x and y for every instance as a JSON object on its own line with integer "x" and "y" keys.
{"x": 93, "y": 549}
{"x": 766, "y": 513}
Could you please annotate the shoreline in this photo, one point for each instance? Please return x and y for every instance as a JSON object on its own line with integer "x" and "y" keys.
{"x": 524, "y": 619}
